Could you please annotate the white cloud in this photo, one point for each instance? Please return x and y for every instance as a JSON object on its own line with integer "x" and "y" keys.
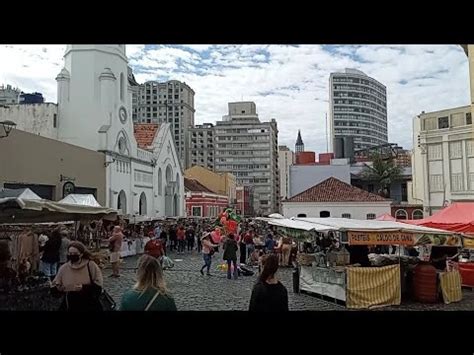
{"x": 289, "y": 83}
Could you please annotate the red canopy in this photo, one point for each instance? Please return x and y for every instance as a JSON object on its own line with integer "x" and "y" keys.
{"x": 386, "y": 217}
{"x": 457, "y": 217}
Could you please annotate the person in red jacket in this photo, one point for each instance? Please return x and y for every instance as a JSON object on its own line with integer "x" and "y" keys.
{"x": 181, "y": 239}
{"x": 154, "y": 248}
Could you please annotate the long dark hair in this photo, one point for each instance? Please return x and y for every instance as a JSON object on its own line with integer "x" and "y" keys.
{"x": 86, "y": 254}
{"x": 270, "y": 267}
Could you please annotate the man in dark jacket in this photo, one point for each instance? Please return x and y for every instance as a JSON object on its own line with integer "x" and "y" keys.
{"x": 50, "y": 258}
{"x": 230, "y": 255}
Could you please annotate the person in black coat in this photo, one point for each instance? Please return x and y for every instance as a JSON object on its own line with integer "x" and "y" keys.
{"x": 269, "y": 294}
{"x": 50, "y": 258}
{"x": 230, "y": 255}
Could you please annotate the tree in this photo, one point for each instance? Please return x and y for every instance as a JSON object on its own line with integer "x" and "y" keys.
{"x": 383, "y": 172}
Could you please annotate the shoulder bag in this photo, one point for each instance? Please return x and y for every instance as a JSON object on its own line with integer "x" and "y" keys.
{"x": 147, "y": 308}
{"x": 106, "y": 302}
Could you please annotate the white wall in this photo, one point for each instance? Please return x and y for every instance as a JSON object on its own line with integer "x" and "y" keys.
{"x": 302, "y": 177}
{"x": 285, "y": 160}
{"x": 356, "y": 210}
{"x": 34, "y": 118}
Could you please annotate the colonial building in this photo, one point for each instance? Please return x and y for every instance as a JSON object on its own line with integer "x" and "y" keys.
{"x": 94, "y": 112}
{"x": 202, "y": 202}
{"x": 334, "y": 198}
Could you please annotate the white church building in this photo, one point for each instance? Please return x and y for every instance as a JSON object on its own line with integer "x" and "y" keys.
{"x": 143, "y": 172}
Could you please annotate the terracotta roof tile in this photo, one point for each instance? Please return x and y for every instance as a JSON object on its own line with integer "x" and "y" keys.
{"x": 195, "y": 186}
{"x": 334, "y": 190}
{"x": 145, "y": 134}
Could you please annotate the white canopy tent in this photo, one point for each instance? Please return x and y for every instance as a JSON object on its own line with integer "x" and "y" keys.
{"x": 345, "y": 224}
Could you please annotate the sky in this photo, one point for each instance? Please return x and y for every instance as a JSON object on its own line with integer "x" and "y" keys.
{"x": 287, "y": 82}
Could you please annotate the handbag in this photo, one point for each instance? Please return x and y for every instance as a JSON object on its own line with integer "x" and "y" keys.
{"x": 106, "y": 302}
{"x": 147, "y": 308}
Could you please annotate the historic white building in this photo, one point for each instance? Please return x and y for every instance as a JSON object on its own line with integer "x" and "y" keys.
{"x": 94, "y": 111}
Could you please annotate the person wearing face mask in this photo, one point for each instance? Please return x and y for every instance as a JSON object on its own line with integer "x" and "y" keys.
{"x": 80, "y": 279}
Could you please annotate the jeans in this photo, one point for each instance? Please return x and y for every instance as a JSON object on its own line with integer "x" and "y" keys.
{"x": 181, "y": 246}
{"x": 199, "y": 245}
{"x": 250, "y": 250}
{"x": 207, "y": 262}
{"x": 229, "y": 273}
{"x": 48, "y": 269}
{"x": 190, "y": 244}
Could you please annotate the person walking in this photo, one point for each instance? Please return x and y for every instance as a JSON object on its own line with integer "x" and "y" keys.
{"x": 269, "y": 294}
{"x": 181, "y": 235}
{"x": 243, "y": 248}
{"x": 269, "y": 244}
{"x": 150, "y": 292}
{"x": 115, "y": 245}
{"x": 164, "y": 240}
{"x": 190, "y": 235}
{"x": 173, "y": 238}
{"x": 80, "y": 280}
{"x": 230, "y": 255}
{"x": 285, "y": 251}
{"x": 154, "y": 248}
{"x": 50, "y": 255}
{"x": 249, "y": 244}
{"x": 207, "y": 252}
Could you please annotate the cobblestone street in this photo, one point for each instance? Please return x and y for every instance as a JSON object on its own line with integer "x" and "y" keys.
{"x": 194, "y": 292}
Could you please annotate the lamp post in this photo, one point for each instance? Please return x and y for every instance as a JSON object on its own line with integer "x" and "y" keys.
{"x": 7, "y": 128}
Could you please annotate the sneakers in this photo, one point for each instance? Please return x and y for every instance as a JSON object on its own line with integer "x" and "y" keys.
{"x": 202, "y": 272}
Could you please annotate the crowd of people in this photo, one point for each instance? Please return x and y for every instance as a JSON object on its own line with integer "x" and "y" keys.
{"x": 77, "y": 278}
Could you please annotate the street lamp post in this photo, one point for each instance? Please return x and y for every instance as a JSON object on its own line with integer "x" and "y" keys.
{"x": 7, "y": 128}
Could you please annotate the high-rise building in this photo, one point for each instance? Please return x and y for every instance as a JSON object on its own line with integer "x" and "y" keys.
{"x": 9, "y": 95}
{"x": 171, "y": 102}
{"x": 286, "y": 159}
{"x": 299, "y": 146}
{"x": 248, "y": 149}
{"x": 358, "y": 108}
{"x": 202, "y": 146}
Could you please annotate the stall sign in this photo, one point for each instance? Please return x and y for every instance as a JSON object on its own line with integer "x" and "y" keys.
{"x": 438, "y": 240}
{"x": 468, "y": 243}
{"x": 380, "y": 238}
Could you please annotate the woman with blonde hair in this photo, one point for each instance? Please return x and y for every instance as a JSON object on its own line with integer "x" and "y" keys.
{"x": 150, "y": 292}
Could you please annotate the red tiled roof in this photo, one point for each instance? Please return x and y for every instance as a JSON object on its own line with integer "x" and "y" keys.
{"x": 195, "y": 186}
{"x": 334, "y": 190}
{"x": 145, "y": 134}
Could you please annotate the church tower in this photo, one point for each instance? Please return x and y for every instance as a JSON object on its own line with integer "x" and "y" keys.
{"x": 299, "y": 146}
{"x": 94, "y": 99}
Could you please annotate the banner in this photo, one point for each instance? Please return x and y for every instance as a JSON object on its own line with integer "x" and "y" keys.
{"x": 380, "y": 238}
{"x": 398, "y": 238}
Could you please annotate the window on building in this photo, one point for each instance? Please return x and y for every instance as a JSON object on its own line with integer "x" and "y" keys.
{"x": 417, "y": 214}
{"x": 324, "y": 214}
{"x": 346, "y": 215}
{"x": 370, "y": 215}
{"x": 468, "y": 118}
{"x": 301, "y": 215}
{"x": 443, "y": 122}
{"x": 401, "y": 214}
{"x": 55, "y": 120}
{"x": 196, "y": 211}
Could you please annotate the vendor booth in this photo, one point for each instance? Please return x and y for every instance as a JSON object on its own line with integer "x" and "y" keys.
{"x": 360, "y": 263}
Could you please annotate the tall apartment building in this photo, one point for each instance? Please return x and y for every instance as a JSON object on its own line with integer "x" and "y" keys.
{"x": 358, "y": 108}
{"x": 286, "y": 158}
{"x": 248, "y": 149}
{"x": 9, "y": 95}
{"x": 171, "y": 102}
{"x": 202, "y": 146}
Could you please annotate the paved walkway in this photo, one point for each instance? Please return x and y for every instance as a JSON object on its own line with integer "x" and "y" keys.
{"x": 194, "y": 292}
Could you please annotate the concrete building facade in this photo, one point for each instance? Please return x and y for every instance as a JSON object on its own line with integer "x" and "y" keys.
{"x": 286, "y": 158}
{"x": 248, "y": 149}
{"x": 443, "y": 158}
{"x": 9, "y": 95}
{"x": 48, "y": 167}
{"x": 202, "y": 146}
{"x": 41, "y": 119}
{"x": 171, "y": 102}
{"x": 358, "y": 108}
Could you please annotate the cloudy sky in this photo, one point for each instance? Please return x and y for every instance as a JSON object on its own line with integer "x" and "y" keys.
{"x": 288, "y": 83}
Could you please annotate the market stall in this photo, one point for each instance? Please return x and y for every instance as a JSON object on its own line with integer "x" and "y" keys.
{"x": 339, "y": 267}
{"x": 457, "y": 217}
